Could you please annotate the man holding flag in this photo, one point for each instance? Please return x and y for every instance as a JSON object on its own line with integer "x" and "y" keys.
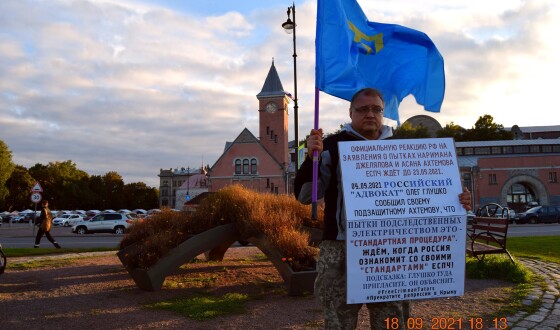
{"x": 353, "y": 53}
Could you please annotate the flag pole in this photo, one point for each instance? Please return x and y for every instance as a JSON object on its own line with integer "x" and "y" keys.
{"x": 315, "y": 161}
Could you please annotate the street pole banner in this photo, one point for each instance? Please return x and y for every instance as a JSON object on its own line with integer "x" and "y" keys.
{"x": 405, "y": 229}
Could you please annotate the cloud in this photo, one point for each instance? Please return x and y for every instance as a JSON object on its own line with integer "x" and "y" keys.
{"x": 133, "y": 87}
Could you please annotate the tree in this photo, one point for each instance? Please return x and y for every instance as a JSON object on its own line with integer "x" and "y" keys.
{"x": 486, "y": 130}
{"x": 138, "y": 195}
{"x": 6, "y": 169}
{"x": 19, "y": 185}
{"x": 114, "y": 185}
{"x": 96, "y": 192}
{"x": 61, "y": 182}
{"x": 451, "y": 130}
{"x": 406, "y": 131}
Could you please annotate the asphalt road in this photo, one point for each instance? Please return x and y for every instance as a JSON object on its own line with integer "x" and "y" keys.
{"x": 22, "y": 235}
{"x": 544, "y": 229}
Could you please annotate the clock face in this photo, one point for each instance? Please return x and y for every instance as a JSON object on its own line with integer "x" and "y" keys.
{"x": 271, "y": 107}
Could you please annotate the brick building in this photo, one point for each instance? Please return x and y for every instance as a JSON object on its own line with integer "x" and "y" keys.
{"x": 260, "y": 163}
{"x": 511, "y": 173}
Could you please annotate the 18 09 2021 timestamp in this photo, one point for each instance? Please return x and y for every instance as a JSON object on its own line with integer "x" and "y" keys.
{"x": 447, "y": 323}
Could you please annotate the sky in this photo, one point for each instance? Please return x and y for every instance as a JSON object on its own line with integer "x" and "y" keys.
{"x": 135, "y": 86}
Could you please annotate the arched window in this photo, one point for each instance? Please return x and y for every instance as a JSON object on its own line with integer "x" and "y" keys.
{"x": 238, "y": 166}
{"x": 245, "y": 166}
{"x": 254, "y": 166}
{"x": 519, "y": 196}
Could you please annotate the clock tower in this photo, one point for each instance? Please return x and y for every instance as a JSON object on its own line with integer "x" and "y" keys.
{"x": 273, "y": 117}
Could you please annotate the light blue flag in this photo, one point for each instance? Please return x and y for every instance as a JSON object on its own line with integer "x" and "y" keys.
{"x": 353, "y": 53}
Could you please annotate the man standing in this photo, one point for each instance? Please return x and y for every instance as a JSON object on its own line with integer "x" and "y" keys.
{"x": 366, "y": 114}
{"x": 45, "y": 224}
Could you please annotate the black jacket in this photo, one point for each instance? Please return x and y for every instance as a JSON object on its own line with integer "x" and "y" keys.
{"x": 329, "y": 185}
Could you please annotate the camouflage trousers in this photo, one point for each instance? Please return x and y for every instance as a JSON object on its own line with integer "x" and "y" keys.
{"x": 330, "y": 290}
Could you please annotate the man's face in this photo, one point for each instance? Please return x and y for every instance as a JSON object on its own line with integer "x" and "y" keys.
{"x": 367, "y": 123}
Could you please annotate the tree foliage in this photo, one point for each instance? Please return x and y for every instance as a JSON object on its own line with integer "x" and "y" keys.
{"x": 6, "y": 169}
{"x": 485, "y": 129}
{"x": 406, "y": 131}
{"x": 69, "y": 188}
{"x": 19, "y": 184}
{"x": 451, "y": 130}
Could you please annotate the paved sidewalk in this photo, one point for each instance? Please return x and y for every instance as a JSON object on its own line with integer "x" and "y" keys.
{"x": 547, "y": 317}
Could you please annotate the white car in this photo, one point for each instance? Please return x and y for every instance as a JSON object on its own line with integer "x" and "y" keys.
{"x": 67, "y": 220}
{"x": 104, "y": 223}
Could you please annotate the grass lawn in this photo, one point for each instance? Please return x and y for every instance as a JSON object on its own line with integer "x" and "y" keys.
{"x": 28, "y": 252}
{"x": 546, "y": 248}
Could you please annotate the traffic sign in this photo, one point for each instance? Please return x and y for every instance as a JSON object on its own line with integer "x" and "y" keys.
{"x": 36, "y": 197}
{"x": 37, "y": 187}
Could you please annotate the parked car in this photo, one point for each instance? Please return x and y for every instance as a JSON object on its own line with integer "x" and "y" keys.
{"x": 104, "y": 223}
{"x": 470, "y": 217}
{"x": 497, "y": 211}
{"x": 67, "y": 220}
{"x": 506, "y": 213}
{"x": 18, "y": 219}
{"x": 539, "y": 214}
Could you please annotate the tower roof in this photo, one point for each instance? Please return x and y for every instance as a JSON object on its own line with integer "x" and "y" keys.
{"x": 272, "y": 85}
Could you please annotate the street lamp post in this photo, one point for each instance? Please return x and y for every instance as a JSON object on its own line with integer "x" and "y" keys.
{"x": 188, "y": 197}
{"x": 290, "y": 28}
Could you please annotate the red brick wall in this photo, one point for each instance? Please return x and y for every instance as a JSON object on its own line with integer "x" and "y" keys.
{"x": 223, "y": 172}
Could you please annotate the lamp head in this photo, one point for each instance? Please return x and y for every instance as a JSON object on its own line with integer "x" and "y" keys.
{"x": 288, "y": 25}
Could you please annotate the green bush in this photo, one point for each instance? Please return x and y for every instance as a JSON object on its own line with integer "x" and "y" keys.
{"x": 498, "y": 267}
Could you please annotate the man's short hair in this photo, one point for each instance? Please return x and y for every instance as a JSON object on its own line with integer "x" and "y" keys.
{"x": 368, "y": 91}
{"x": 45, "y": 202}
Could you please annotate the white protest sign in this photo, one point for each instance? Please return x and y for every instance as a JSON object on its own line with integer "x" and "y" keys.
{"x": 405, "y": 229}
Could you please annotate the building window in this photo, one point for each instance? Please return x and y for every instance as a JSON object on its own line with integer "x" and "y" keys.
{"x": 276, "y": 190}
{"x": 469, "y": 151}
{"x": 245, "y": 166}
{"x": 546, "y": 148}
{"x": 254, "y": 166}
{"x": 521, "y": 149}
{"x": 459, "y": 151}
{"x": 267, "y": 182}
{"x": 496, "y": 150}
{"x": 492, "y": 179}
{"x": 507, "y": 150}
{"x": 552, "y": 177}
{"x": 238, "y": 166}
{"x": 534, "y": 149}
{"x": 272, "y": 187}
{"x": 482, "y": 151}
{"x": 267, "y": 130}
{"x": 271, "y": 134}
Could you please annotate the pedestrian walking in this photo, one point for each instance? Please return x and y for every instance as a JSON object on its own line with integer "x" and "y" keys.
{"x": 45, "y": 224}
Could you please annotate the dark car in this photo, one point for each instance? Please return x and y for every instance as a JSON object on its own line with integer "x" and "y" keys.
{"x": 539, "y": 214}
